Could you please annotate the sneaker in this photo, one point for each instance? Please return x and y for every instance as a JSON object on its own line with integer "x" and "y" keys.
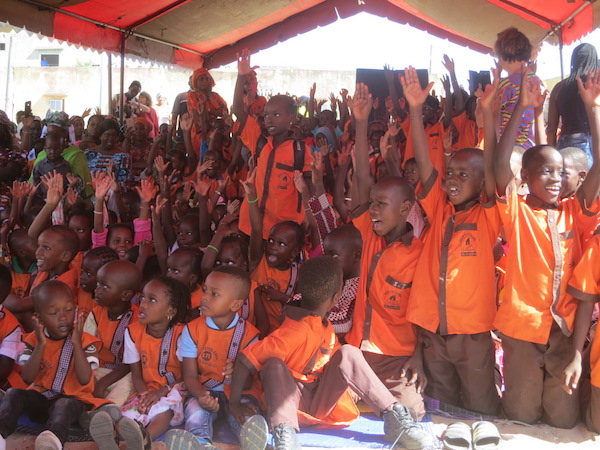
{"x": 102, "y": 430}
{"x": 399, "y": 427}
{"x": 184, "y": 440}
{"x": 254, "y": 434}
{"x": 285, "y": 438}
{"x": 2, "y": 443}
{"x": 47, "y": 440}
{"x": 134, "y": 434}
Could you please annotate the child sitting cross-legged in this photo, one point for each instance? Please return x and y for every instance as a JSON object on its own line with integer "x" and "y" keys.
{"x": 150, "y": 351}
{"x": 305, "y": 373}
{"x": 58, "y": 362}
{"x": 209, "y": 347}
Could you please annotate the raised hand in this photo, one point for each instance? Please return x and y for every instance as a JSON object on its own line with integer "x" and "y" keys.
{"x": 362, "y": 102}
{"x": 344, "y": 94}
{"x": 243, "y": 62}
{"x": 161, "y": 165}
{"x": 102, "y": 186}
{"x": 446, "y": 84}
{"x": 590, "y": 91}
{"x": 448, "y": 63}
{"x": 71, "y": 197}
{"x": 249, "y": 186}
{"x": 186, "y": 122}
{"x": 414, "y": 94}
{"x": 38, "y": 326}
{"x": 55, "y": 189}
{"x": 300, "y": 184}
{"x": 147, "y": 190}
{"x": 78, "y": 322}
{"x": 323, "y": 145}
{"x": 313, "y": 90}
{"x": 233, "y": 207}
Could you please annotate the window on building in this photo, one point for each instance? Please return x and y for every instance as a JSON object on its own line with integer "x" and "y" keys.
{"x": 2, "y": 46}
{"x": 56, "y": 104}
{"x": 49, "y": 60}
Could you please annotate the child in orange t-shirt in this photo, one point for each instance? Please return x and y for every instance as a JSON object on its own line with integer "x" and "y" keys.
{"x": 117, "y": 283}
{"x": 93, "y": 260}
{"x": 185, "y": 265}
{"x": 305, "y": 372}
{"x": 537, "y": 313}
{"x": 11, "y": 333}
{"x": 277, "y": 199}
{"x": 274, "y": 264}
{"x": 453, "y": 296}
{"x": 58, "y": 363}
{"x": 389, "y": 258}
{"x": 56, "y": 248}
{"x": 584, "y": 285}
{"x": 209, "y": 347}
{"x": 151, "y": 352}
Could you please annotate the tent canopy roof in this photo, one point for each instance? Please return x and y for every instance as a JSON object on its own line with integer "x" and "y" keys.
{"x": 210, "y": 32}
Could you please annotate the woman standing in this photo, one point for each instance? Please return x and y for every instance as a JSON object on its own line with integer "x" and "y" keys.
{"x": 205, "y": 106}
{"x": 109, "y": 152}
{"x": 566, "y": 105}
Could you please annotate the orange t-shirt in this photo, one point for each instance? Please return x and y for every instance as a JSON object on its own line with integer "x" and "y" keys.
{"x": 584, "y": 285}
{"x": 20, "y": 283}
{"x": 280, "y": 280}
{"x": 469, "y": 134}
{"x": 70, "y": 278}
{"x": 196, "y": 298}
{"x": 435, "y": 142}
{"x": 214, "y": 347}
{"x": 57, "y": 356}
{"x": 454, "y": 289}
{"x": 379, "y": 324}
{"x": 543, "y": 252}
{"x": 111, "y": 333}
{"x": 279, "y": 200}
{"x": 305, "y": 343}
{"x": 158, "y": 356}
{"x": 85, "y": 302}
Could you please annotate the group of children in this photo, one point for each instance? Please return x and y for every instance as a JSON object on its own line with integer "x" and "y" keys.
{"x": 372, "y": 258}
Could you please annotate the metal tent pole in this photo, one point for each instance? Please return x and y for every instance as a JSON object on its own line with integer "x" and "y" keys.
{"x": 122, "y": 88}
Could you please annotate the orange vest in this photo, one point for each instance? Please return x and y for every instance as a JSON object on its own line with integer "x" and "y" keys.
{"x": 20, "y": 283}
{"x": 112, "y": 334}
{"x": 70, "y": 278}
{"x": 57, "y": 372}
{"x": 215, "y": 347}
{"x": 542, "y": 253}
{"x": 158, "y": 357}
{"x": 454, "y": 289}
{"x": 85, "y": 302}
{"x": 279, "y": 199}
{"x": 8, "y": 324}
{"x": 282, "y": 280}
{"x": 469, "y": 134}
{"x": 435, "y": 136}
{"x": 379, "y": 324}
{"x": 305, "y": 343}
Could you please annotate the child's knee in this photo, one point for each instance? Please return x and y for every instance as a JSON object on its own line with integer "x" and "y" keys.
{"x": 274, "y": 364}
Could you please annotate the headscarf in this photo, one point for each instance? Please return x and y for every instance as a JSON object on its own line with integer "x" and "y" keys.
{"x": 329, "y": 135}
{"x": 57, "y": 119}
{"x": 198, "y": 73}
{"x": 144, "y": 122}
{"x": 200, "y": 101}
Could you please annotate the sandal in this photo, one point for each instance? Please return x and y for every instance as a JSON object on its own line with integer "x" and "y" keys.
{"x": 102, "y": 430}
{"x": 134, "y": 434}
{"x": 254, "y": 434}
{"x": 485, "y": 436}
{"x": 457, "y": 437}
{"x": 184, "y": 440}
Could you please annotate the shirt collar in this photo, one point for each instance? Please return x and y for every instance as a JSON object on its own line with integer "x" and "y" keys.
{"x": 211, "y": 323}
{"x": 536, "y": 203}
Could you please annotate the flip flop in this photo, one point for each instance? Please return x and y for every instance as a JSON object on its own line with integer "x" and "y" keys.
{"x": 134, "y": 434}
{"x": 254, "y": 434}
{"x": 184, "y": 440}
{"x": 102, "y": 430}
{"x": 485, "y": 436}
{"x": 457, "y": 437}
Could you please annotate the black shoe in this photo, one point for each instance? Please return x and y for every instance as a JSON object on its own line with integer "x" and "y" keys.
{"x": 285, "y": 438}
{"x": 399, "y": 427}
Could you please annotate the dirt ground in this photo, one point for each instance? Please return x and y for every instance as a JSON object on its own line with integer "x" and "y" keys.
{"x": 518, "y": 437}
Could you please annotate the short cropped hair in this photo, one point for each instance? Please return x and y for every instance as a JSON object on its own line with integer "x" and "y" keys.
{"x": 319, "y": 280}
{"x": 531, "y": 154}
{"x": 67, "y": 238}
{"x": 104, "y": 254}
{"x": 38, "y": 297}
{"x": 512, "y": 45}
{"x": 288, "y": 102}
{"x": 576, "y": 157}
{"x": 240, "y": 275}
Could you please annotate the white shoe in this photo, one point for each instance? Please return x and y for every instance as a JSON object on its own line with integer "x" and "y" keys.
{"x": 47, "y": 440}
{"x": 2, "y": 443}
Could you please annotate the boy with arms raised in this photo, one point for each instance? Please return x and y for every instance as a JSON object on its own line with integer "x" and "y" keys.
{"x": 389, "y": 259}
{"x": 305, "y": 373}
{"x": 453, "y": 300}
{"x": 536, "y": 315}
{"x": 280, "y": 155}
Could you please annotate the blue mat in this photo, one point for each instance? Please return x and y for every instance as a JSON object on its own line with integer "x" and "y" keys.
{"x": 365, "y": 432}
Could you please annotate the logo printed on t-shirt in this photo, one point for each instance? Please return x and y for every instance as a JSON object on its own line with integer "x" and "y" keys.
{"x": 209, "y": 357}
{"x": 468, "y": 245}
